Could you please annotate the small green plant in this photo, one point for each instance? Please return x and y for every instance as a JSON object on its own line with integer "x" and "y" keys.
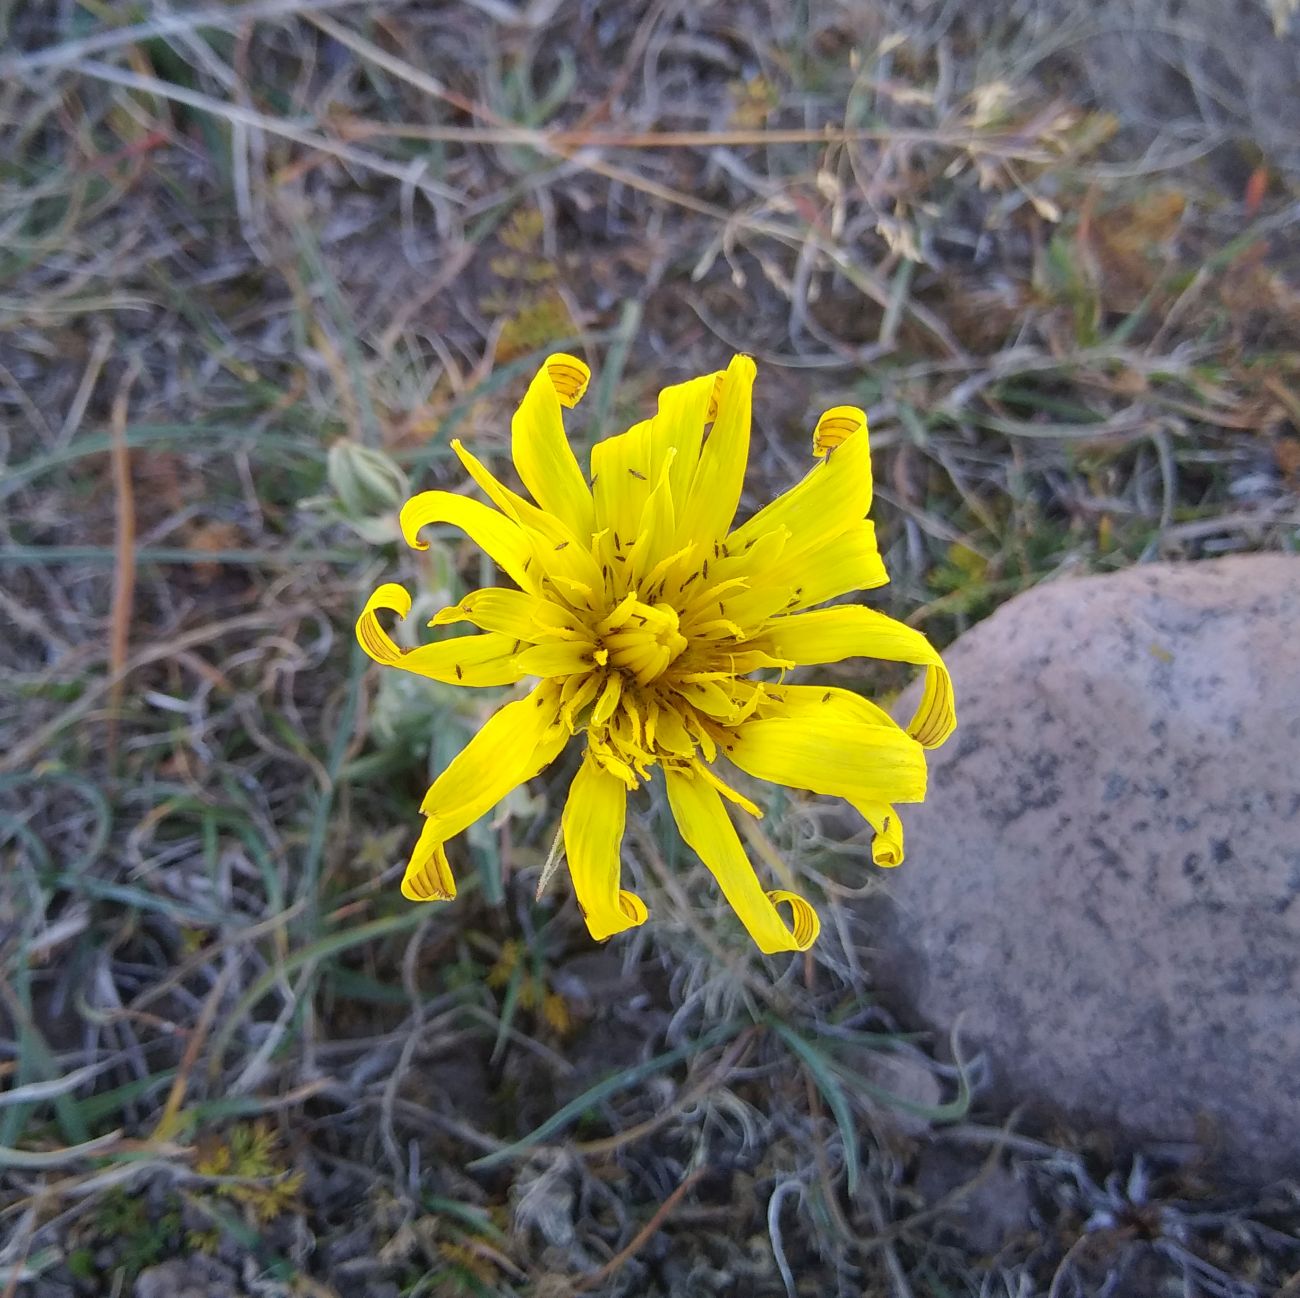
{"x": 523, "y": 981}
{"x": 130, "y": 1222}
{"x": 251, "y": 1155}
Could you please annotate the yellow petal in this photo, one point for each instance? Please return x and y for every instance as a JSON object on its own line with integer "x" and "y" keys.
{"x": 849, "y": 561}
{"x": 371, "y": 635}
{"x": 513, "y": 613}
{"x": 715, "y": 488}
{"x": 575, "y": 694}
{"x": 515, "y": 743}
{"x": 464, "y": 660}
{"x": 495, "y": 534}
{"x": 593, "y": 822}
{"x": 887, "y": 846}
{"x": 830, "y": 634}
{"x": 750, "y": 660}
{"x": 540, "y": 448}
{"x": 684, "y": 409}
{"x": 809, "y": 703}
{"x": 608, "y": 700}
{"x": 710, "y": 776}
{"x": 510, "y": 503}
{"x": 621, "y": 477}
{"x": 834, "y": 495}
{"x": 557, "y": 658}
{"x": 656, "y": 531}
{"x": 708, "y": 831}
{"x": 604, "y": 755}
{"x": 709, "y": 697}
{"x": 666, "y": 449}
{"x": 760, "y": 598}
{"x": 561, "y": 552}
{"x": 428, "y": 875}
{"x": 837, "y": 747}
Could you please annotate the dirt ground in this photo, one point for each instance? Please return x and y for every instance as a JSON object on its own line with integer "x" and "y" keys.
{"x": 259, "y": 262}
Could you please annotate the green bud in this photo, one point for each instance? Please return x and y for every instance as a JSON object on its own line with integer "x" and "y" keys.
{"x": 368, "y": 484}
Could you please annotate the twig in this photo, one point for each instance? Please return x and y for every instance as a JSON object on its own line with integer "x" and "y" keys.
{"x": 124, "y": 552}
{"x": 715, "y": 1077}
{"x": 639, "y": 1239}
{"x": 167, "y": 1122}
{"x": 224, "y": 19}
{"x": 261, "y": 121}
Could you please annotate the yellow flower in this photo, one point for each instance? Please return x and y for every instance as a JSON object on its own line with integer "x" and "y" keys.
{"x": 642, "y": 611}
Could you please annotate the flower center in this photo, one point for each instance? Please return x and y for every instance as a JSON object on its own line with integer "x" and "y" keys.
{"x": 642, "y": 639}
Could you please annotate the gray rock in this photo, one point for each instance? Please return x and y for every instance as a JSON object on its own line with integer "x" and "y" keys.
{"x": 986, "y": 1208}
{"x": 1105, "y": 882}
{"x": 908, "y": 1080}
{"x": 195, "y": 1276}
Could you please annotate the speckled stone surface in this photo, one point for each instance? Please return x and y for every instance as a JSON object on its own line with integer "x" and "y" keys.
{"x": 195, "y": 1276}
{"x": 1105, "y": 881}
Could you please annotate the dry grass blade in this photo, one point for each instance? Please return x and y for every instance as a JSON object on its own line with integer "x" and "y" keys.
{"x": 168, "y": 1124}
{"x": 661, "y": 1214}
{"x": 164, "y": 25}
{"x": 124, "y": 565}
{"x": 260, "y": 121}
{"x": 33, "y": 1159}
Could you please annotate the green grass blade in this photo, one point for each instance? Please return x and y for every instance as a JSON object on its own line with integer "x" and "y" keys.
{"x": 822, "y": 1070}
{"x": 611, "y": 1085}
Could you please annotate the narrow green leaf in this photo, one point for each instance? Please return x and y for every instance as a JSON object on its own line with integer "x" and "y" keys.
{"x": 603, "y": 1090}
{"x": 822, "y": 1070}
{"x": 326, "y": 946}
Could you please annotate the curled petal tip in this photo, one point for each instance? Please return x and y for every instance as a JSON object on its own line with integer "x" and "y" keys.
{"x": 371, "y": 635}
{"x": 428, "y": 876}
{"x": 569, "y": 377}
{"x": 836, "y": 426}
{"x": 804, "y": 924}
{"x": 632, "y": 913}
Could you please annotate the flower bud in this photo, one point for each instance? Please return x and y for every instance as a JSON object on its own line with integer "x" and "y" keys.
{"x": 367, "y": 482}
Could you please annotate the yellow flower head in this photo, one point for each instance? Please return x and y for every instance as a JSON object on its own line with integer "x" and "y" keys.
{"x": 642, "y": 611}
